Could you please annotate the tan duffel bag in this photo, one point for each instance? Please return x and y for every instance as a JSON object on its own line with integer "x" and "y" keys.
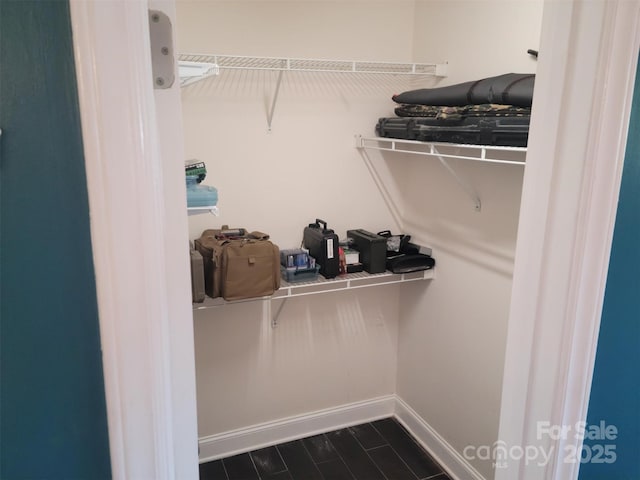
{"x": 239, "y": 265}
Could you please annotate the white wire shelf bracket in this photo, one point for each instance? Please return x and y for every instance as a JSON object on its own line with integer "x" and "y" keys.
{"x": 322, "y": 285}
{"x": 445, "y": 151}
{"x": 191, "y": 71}
{"x": 200, "y": 210}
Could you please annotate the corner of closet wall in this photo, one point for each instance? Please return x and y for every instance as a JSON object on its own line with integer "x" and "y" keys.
{"x": 327, "y": 350}
{"x": 452, "y": 335}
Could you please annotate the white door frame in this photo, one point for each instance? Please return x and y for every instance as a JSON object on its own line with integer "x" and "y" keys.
{"x": 567, "y": 217}
{"x": 587, "y": 65}
{"x": 137, "y": 200}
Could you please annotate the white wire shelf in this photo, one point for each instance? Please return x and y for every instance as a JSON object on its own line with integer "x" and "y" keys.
{"x": 443, "y": 152}
{"x": 199, "y": 66}
{"x": 479, "y": 153}
{"x": 222, "y": 62}
{"x": 322, "y": 285}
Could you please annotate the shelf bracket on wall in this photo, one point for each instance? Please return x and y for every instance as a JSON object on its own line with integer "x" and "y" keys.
{"x": 191, "y": 72}
{"x": 199, "y": 210}
{"x": 274, "y": 100}
{"x": 274, "y": 318}
{"x": 382, "y": 188}
{"x": 477, "y": 204}
{"x": 476, "y": 153}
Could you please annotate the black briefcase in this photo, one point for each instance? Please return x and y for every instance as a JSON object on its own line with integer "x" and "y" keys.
{"x": 322, "y": 244}
{"x": 372, "y": 248}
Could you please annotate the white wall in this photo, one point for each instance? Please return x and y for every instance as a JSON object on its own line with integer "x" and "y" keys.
{"x": 331, "y": 349}
{"x": 452, "y": 335}
{"x": 479, "y": 38}
{"x": 450, "y": 344}
{"x": 325, "y": 352}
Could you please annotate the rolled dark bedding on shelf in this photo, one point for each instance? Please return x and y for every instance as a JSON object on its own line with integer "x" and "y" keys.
{"x": 508, "y": 89}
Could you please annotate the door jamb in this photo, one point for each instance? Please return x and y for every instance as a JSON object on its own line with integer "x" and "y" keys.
{"x": 586, "y": 69}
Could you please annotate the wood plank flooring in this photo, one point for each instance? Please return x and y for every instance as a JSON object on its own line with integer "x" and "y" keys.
{"x": 380, "y": 450}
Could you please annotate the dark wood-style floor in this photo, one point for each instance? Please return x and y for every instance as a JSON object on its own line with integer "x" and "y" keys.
{"x": 380, "y": 450}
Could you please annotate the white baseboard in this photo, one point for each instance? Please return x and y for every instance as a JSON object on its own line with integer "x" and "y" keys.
{"x": 456, "y": 465}
{"x": 292, "y": 428}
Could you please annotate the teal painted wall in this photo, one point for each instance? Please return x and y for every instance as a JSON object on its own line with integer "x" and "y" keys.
{"x": 615, "y": 392}
{"x": 53, "y": 415}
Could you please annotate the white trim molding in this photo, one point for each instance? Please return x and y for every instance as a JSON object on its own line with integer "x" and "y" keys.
{"x": 292, "y": 428}
{"x": 150, "y": 423}
{"x": 448, "y": 457}
{"x": 588, "y": 55}
{"x": 254, "y": 437}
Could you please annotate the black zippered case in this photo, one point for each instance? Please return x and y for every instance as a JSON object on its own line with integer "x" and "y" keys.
{"x": 372, "y": 248}
{"x": 322, "y": 244}
{"x": 499, "y": 131}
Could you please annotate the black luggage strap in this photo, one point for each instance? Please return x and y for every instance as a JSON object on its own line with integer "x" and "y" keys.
{"x": 505, "y": 92}
{"x": 470, "y": 91}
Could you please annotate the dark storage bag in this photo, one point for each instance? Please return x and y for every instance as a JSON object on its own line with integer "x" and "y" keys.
{"x": 238, "y": 264}
{"x": 372, "y": 248}
{"x": 509, "y": 89}
{"x": 404, "y": 256}
{"x": 410, "y": 262}
{"x": 499, "y": 131}
{"x": 322, "y": 244}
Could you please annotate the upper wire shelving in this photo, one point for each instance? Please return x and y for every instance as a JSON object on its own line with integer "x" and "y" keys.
{"x": 222, "y": 62}
{"x": 199, "y": 66}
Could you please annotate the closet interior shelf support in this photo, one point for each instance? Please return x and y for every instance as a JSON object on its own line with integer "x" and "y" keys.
{"x": 191, "y": 71}
{"x": 198, "y": 210}
{"x": 445, "y": 151}
{"x": 475, "y": 198}
{"x": 274, "y": 101}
